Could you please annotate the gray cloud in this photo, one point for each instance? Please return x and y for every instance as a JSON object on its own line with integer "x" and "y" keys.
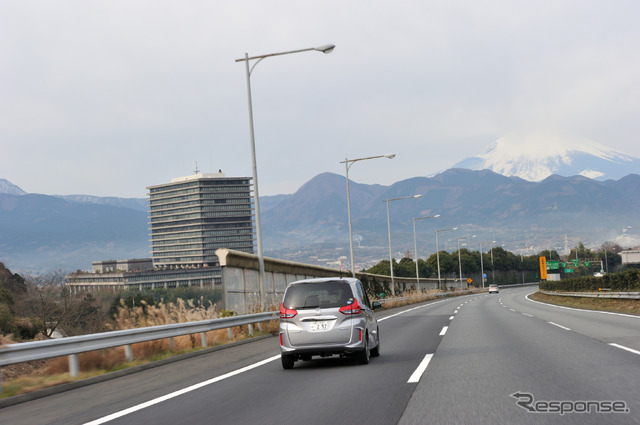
{"x": 108, "y": 97}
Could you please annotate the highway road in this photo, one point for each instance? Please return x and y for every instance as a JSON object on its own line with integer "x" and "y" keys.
{"x": 495, "y": 359}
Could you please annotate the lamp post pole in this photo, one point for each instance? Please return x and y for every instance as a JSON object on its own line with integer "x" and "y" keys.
{"x": 388, "y": 201}
{"x": 493, "y": 269}
{"x": 460, "y": 259}
{"x": 438, "y": 253}
{"x": 415, "y": 244}
{"x": 256, "y": 197}
{"x": 481, "y": 266}
{"x": 347, "y": 164}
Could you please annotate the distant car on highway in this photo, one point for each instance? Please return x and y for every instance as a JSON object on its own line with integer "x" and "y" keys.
{"x": 325, "y": 317}
{"x": 493, "y": 288}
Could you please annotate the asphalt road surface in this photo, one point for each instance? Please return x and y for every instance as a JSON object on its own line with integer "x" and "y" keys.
{"x": 477, "y": 359}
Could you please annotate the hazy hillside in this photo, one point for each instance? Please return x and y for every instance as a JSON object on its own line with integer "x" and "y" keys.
{"x": 138, "y": 204}
{"x": 515, "y": 210}
{"x": 40, "y": 231}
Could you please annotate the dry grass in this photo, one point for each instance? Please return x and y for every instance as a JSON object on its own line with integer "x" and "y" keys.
{"x": 415, "y": 297}
{"x": 587, "y": 303}
{"x": 26, "y": 377}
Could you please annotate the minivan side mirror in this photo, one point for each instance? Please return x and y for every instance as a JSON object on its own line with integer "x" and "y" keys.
{"x": 376, "y": 305}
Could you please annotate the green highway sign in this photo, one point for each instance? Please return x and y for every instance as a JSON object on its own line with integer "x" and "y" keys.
{"x": 575, "y": 262}
{"x": 568, "y": 270}
{"x": 553, "y": 265}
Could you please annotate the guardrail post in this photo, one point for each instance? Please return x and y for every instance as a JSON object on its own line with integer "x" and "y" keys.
{"x": 229, "y": 333}
{"x": 128, "y": 352}
{"x": 74, "y": 365}
{"x": 172, "y": 344}
{"x": 203, "y": 338}
{"x": 250, "y": 329}
{"x": 260, "y": 327}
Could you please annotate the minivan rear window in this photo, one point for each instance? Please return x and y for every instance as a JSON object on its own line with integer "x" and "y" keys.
{"x": 318, "y": 295}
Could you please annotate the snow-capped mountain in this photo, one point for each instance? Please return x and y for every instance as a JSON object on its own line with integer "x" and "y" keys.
{"x": 9, "y": 188}
{"x": 535, "y": 157}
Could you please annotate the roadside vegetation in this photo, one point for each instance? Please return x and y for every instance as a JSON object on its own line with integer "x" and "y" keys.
{"x": 586, "y": 303}
{"x": 36, "y": 307}
{"x": 626, "y": 281}
{"x": 501, "y": 266}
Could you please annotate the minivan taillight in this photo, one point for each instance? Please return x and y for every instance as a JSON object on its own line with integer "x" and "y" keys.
{"x": 287, "y": 313}
{"x": 353, "y": 308}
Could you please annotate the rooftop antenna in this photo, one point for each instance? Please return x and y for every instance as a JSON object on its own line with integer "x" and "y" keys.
{"x": 196, "y": 170}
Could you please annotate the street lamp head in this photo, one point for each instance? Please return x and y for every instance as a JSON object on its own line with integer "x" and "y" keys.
{"x": 417, "y": 196}
{"x": 436, "y": 216}
{"x": 327, "y": 48}
{"x": 455, "y": 228}
{"x": 390, "y": 155}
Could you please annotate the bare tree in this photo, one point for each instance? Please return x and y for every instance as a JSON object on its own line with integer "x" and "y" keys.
{"x": 47, "y": 300}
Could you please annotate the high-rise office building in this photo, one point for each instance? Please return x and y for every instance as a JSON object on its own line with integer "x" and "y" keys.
{"x": 193, "y": 216}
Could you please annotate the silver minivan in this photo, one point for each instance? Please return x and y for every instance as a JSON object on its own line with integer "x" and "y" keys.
{"x": 325, "y": 317}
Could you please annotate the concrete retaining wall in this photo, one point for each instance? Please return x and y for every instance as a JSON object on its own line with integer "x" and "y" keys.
{"x": 240, "y": 274}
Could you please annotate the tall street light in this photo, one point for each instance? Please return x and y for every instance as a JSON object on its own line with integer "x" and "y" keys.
{"x": 324, "y": 49}
{"x": 460, "y": 259}
{"x": 347, "y": 164}
{"x": 481, "y": 261}
{"x": 493, "y": 269}
{"x": 438, "y": 252}
{"x": 388, "y": 201}
{"x": 415, "y": 243}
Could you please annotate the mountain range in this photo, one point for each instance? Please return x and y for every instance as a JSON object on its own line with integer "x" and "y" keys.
{"x": 40, "y": 231}
{"x": 527, "y": 206}
{"x": 517, "y": 212}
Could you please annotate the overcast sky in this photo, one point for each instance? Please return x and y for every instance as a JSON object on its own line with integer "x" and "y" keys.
{"x": 109, "y": 97}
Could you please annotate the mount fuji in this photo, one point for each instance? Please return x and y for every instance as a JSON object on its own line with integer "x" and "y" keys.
{"x": 534, "y": 157}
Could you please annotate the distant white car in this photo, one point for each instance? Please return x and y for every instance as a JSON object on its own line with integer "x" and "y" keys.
{"x": 493, "y": 288}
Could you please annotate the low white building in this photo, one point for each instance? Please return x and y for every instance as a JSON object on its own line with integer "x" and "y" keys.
{"x": 630, "y": 257}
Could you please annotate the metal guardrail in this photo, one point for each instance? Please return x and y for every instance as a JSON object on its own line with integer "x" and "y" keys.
{"x": 72, "y": 346}
{"x": 614, "y": 295}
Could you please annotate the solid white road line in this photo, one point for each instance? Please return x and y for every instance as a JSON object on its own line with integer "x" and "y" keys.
{"x": 625, "y": 348}
{"x": 444, "y": 330}
{"x": 560, "y": 326}
{"x": 579, "y": 309}
{"x": 180, "y": 392}
{"x": 411, "y": 309}
{"x": 174, "y": 394}
{"x": 417, "y": 374}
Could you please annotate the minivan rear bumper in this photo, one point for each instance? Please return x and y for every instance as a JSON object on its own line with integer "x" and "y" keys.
{"x": 320, "y": 350}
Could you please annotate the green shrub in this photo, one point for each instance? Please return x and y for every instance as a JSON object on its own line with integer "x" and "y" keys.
{"x": 627, "y": 281}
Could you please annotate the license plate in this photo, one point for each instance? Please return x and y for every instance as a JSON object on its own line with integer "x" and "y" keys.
{"x": 318, "y": 326}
